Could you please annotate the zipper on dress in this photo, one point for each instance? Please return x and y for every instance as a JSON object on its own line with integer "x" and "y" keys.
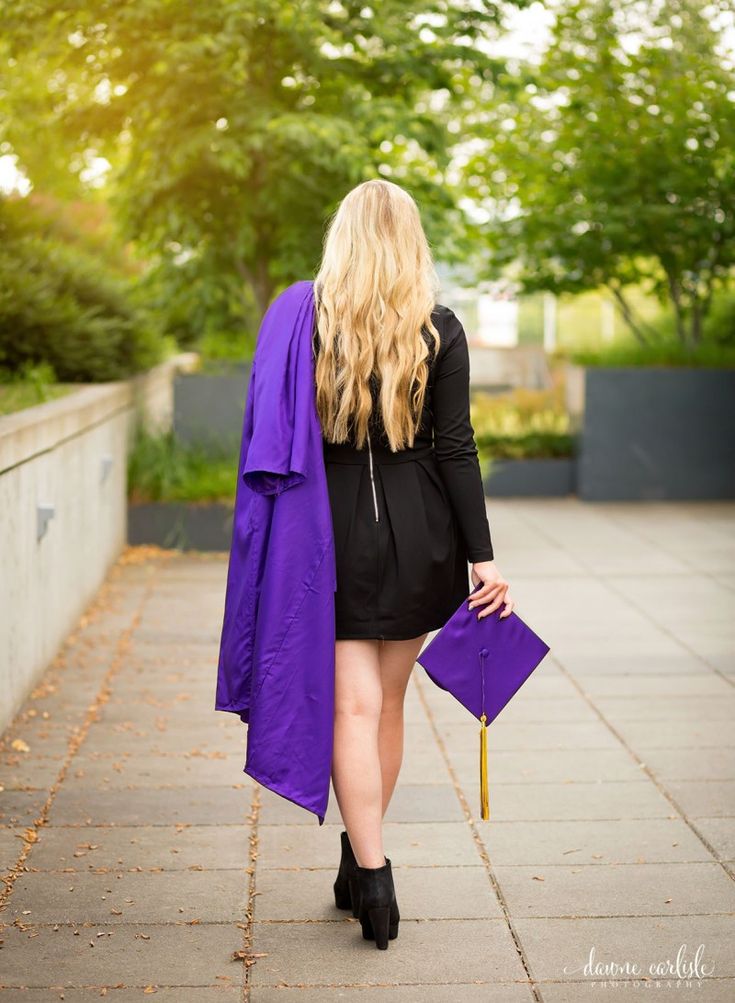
{"x": 372, "y": 479}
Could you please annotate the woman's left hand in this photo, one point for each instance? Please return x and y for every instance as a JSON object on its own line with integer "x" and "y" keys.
{"x": 494, "y": 591}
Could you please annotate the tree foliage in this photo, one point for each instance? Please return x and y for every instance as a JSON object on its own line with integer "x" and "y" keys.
{"x": 614, "y": 163}
{"x": 234, "y": 126}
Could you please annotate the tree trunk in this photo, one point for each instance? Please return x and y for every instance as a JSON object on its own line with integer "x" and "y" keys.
{"x": 636, "y": 326}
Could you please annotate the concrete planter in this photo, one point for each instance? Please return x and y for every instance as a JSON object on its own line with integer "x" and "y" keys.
{"x": 181, "y": 525}
{"x": 655, "y": 433}
{"x": 209, "y": 407}
{"x": 538, "y": 478}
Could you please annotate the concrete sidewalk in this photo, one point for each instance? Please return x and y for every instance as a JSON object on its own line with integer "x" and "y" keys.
{"x": 141, "y": 860}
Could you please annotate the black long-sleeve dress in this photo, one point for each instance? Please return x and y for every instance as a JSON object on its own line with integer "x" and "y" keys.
{"x": 406, "y": 524}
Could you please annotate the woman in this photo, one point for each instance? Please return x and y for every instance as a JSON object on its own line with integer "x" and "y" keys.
{"x": 407, "y": 501}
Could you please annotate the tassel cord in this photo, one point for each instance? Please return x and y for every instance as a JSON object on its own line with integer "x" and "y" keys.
{"x": 484, "y": 798}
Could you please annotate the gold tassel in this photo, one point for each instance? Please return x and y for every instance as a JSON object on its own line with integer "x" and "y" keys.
{"x": 484, "y": 799}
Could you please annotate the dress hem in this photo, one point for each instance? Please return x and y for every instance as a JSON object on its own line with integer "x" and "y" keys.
{"x": 389, "y": 637}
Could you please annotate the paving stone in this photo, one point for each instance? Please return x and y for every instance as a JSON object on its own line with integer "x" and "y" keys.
{"x": 700, "y": 684}
{"x": 123, "y": 847}
{"x": 691, "y": 709}
{"x": 11, "y": 845}
{"x": 720, "y": 832}
{"x": 432, "y": 952}
{"x": 410, "y": 844}
{"x": 179, "y": 741}
{"x": 130, "y": 897}
{"x": 608, "y": 841}
{"x": 617, "y": 890}
{"x": 149, "y": 806}
{"x": 487, "y": 992}
{"x": 713, "y": 798}
{"x": 517, "y": 766}
{"x": 611, "y": 800}
{"x": 560, "y": 948}
{"x": 632, "y": 663}
{"x": 19, "y": 771}
{"x": 549, "y": 735}
{"x": 642, "y": 735}
{"x": 692, "y": 764}
{"x": 21, "y": 808}
{"x": 218, "y": 769}
{"x": 45, "y": 738}
{"x": 135, "y": 955}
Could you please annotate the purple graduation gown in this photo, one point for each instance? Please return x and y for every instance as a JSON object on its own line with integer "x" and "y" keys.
{"x": 276, "y": 661}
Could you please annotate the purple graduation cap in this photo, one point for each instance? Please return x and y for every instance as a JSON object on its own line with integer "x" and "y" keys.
{"x": 482, "y": 663}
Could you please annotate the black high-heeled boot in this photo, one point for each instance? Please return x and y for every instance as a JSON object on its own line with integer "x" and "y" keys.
{"x": 345, "y": 886}
{"x": 377, "y": 907}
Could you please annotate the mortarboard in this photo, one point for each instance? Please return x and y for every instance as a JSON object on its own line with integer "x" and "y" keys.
{"x": 482, "y": 663}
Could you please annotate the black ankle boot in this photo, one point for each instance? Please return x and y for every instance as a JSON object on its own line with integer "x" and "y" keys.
{"x": 377, "y": 907}
{"x": 345, "y": 887}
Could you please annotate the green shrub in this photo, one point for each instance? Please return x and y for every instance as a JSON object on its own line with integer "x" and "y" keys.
{"x": 60, "y": 306}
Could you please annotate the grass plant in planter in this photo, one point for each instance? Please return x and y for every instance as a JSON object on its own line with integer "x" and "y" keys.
{"x": 180, "y": 495}
{"x": 526, "y": 443}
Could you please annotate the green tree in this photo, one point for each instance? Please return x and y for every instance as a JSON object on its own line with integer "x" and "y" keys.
{"x": 234, "y": 126}
{"x": 614, "y": 163}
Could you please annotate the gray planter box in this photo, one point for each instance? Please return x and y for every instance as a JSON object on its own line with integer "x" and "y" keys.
{"x": 657, "y": 433}
{"x": 551, "y": 477}
{"x": 209, "y": 407}
{"x": 181, "y": 525}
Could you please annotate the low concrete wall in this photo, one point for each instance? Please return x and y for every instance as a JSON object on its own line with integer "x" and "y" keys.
{"x": 63, "y": 464}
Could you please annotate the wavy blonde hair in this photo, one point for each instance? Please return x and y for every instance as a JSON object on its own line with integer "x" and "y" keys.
{"x": 374, "y": 293}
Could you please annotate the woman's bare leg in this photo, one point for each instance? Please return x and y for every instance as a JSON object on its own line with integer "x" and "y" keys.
{"x": 356, "y": 771}
{"x": 397, "y": 659}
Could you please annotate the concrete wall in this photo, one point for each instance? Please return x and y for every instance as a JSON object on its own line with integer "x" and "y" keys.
{"x": 657, "y": 432}
{"x": 209, "y": 407}
{"x": 70, "y": 454}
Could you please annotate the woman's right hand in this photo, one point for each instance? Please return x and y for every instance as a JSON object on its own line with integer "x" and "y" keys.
{"x": 495, "y": 590}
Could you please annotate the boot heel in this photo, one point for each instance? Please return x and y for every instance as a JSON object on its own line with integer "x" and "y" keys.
{"x": 379, "y": 919}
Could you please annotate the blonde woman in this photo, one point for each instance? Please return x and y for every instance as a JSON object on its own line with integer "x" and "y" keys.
{"x": 407, "y": 501}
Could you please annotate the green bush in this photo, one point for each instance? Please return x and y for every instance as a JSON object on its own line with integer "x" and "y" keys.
{"x": 60, "y": 306}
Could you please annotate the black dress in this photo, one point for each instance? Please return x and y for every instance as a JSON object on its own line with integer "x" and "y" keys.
{"x": 406, "y": 525}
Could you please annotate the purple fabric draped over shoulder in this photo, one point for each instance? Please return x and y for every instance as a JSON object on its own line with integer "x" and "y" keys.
{"x": 276, "y": 660}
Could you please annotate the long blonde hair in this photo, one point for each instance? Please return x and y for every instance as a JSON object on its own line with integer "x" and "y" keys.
{"x": 374, "y": 293}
